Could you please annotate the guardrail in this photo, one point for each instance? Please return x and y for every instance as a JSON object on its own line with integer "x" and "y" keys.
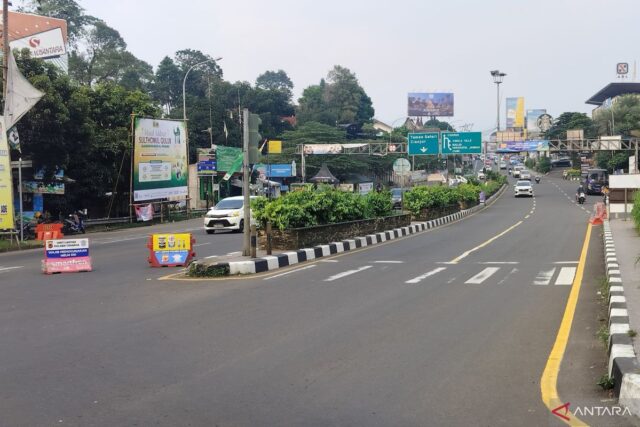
{"x": 126, "y": 219}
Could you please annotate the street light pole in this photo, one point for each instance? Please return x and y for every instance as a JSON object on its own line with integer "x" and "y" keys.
{"x": 184, "y": 117}
{"x": 497, "y": 79}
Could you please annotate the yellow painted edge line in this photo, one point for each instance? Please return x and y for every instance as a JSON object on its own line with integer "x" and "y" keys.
{"x": 549, "y": 380}
{"x": 175, "y": 276}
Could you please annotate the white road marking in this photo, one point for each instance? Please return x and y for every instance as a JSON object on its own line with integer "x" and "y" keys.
{"x": 106, "y": 242}
{"x": 470, "y": 251}
{"x": 544, "y": 277}
{"x": 388, "y": 262}
{"x": 3, "y": 269}
{"x": 212, "y": 256}
{"x": 234, "y": 253}
{"x": 425, "y": 275}
{"x": 452, "y": 280}
{"x": 565, "y": 277}
{"x": 201, "y": 244}
{"x": 291, "y": 271}
{"x": 513, "y": 271}
{"x": 347, "y": 273}
{"x": 482, "y": 276}
{"x": 566, "y": 262}
{"x": 328, "y": 260}
{"x": 527, "y": 217}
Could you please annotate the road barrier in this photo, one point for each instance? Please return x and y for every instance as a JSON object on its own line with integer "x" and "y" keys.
{"x": 50, "y": 231}
{"x": 170, "y": 250}
{"x": 600, "y": 214}
{"x": 66, "y": 256}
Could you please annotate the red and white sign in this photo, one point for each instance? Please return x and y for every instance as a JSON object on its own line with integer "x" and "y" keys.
{"x": 47, "y": 44}
{"x": 66, "y": 256}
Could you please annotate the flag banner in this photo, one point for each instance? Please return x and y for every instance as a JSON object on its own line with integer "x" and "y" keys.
{"x": 21, "y": 95}
{"x": 14, "y": 139}
{"x": 144, "y": 212}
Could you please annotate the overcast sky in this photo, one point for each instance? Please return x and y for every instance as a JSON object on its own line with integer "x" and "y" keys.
{"x": 556, "y": 53}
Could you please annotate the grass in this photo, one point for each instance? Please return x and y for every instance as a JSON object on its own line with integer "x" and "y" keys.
{"x": 603, "y": 334}
{"x": 8, "y": 245}
{"x": 632, "y": 333}
{"x": 606, "y": 382}
{"x": 603, "y": 288}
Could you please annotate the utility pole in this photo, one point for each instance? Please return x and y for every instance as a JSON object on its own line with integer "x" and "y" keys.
{"x": 5, "y": 45}
{"x": 246, "y": 250}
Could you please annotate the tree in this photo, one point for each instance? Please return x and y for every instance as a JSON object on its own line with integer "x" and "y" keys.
{"x": 69, "y": 10}
{"x": 569, "y": 121}
{"x": 167, "y": 88}
{"x": 275, "y": 80}
{"x": 626, "y": 117}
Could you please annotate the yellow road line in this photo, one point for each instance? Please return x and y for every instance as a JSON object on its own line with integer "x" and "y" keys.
{"x": 482, "y": 245}
{"x": 549, "y": 380}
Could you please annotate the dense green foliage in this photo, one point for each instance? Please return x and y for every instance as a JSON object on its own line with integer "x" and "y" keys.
{"x": 571, "y": 121}
{"x": 623, "y": 118}
{"x": 635, "y": 212}
{"x": 613, "y": 160}
{"x": 319, "y": 207}
{"x": 543, "y": 165}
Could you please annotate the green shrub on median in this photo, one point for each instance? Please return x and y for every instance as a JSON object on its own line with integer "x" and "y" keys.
{"x": 635, "y": 212}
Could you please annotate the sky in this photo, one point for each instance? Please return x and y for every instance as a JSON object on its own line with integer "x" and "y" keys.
{"x": 556, "y": 53}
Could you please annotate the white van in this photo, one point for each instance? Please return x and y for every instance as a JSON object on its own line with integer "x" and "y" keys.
{"x": 228, "y": 214}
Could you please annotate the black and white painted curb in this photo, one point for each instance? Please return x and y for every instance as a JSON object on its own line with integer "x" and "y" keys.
{"x": 269, "y": 263}
{"x": 623, "y": 364}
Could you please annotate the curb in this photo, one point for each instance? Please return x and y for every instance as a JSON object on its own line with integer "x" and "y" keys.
{"x": 270, "y": 263}
{"x": 623, "y": 364}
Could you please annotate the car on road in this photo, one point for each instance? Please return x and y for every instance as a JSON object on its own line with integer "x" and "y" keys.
{"x": 596, "y": 180}
{"x": 523, "y": 188}
{"x": 516, "y": 171}
{"x": 228, "y": 214}
{"x": 525, "y": 174}
{"x": 396, "y": 197}
{"x": 503, "y": 164}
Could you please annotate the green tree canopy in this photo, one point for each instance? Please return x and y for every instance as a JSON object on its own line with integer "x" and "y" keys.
{"x": 570, "y": 121}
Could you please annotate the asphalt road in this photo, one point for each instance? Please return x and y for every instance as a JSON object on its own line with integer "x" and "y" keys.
{"x": 449, "y": 327}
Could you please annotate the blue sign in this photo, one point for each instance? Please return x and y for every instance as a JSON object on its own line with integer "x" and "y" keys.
{"x": 206, "y": 165}
{"x": 171, "y": 257}
{"x": 423, "y": 143}
{"x": 68, "y": 253}
{"x": 276, "y": 170}
{"x": 461, "y": 142}
{"x": 521, "y": 146}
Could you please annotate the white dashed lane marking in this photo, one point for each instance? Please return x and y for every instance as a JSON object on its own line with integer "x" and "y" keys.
{"x": 566, "y": 276}
{"x": 5, "y": 269}
{"x": 482, "y": 276}
{"x": 347, "y": 273}
{"x": 544, "y": 277}
{"x": 425, "y": 275}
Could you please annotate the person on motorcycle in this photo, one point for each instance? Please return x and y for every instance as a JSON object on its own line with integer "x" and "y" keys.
{"x": 579, "y": 191}
{"x": 77, "y": 219}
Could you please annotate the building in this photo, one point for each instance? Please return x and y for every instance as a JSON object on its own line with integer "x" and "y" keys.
{"x": 608, "y": 95}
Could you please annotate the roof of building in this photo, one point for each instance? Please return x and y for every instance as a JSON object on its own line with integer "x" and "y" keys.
{"x": 612, "y": 90}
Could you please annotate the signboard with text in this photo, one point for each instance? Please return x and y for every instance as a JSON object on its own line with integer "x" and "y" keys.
{"x": 170, "y": 249}
{"x": 422, "y": 143}
{"x": 66, "y": 256}
{"x": 461, "y": 142}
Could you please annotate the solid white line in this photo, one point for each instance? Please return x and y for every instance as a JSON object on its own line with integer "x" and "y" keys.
{"x": 425, "y": 275}
{"x": 565, "y": 277}
{"x": 483, "y": 275}
{"x": 328, "y": 260}
{"x": 3, "y": 269}
{"x": 201, "y": 244}
{"x": 234, "y": 253}
{"x": 566, "y": 262}
{"x": 527, "y": 217}
{"x": 388, "y": 262}
{"x": 544, "y": 277}
{"x": 291, "y": 271}
{"x": 346, "y": 273}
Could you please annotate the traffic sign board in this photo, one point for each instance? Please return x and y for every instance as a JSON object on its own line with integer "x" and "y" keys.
{"x": 461, "y": 142}
{"x": 402, "y": 166}
{"x": 423, "y": 143}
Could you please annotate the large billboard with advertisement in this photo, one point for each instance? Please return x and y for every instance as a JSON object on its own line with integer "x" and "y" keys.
{"x": 430, "y": 104}
{"x": 532, "y": 120}
{"x": 533, "y": 145}
{"x": 46, "y": 44}
{"x": 515, "y": 112}
{"x": 159, "y": 159}
{"x": 6, "y": 186}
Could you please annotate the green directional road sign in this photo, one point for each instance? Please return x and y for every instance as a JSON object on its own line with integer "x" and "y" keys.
{"x": 423, "y": 143}
{"x": 461, "y": 142}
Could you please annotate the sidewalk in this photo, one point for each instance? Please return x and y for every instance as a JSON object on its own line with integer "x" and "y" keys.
{"x": 627, "y": 243}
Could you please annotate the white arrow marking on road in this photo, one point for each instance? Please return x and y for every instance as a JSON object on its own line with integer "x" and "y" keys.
{"x": 482, "y": 276}
{"x": 565, "y": 277}
{"x": 346, "y": 273}
{"x": 544, "y": 277}
{"x": 425, "y": 275}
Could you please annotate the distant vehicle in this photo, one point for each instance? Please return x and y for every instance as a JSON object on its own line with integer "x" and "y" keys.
{"x": 523, "y": 188}
{"x": 481, "y": 175}
{"x": 525, "y": 174}
{"x": 503, "y": 165}
{"x": 596, "y": 180}
{"x": 228, "y": 214}
{"x": 396, "y": 197}
{"x": 516, "y": 171}
{"x": 561, "y": 163}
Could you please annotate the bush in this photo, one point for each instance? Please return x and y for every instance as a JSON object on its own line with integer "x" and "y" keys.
{"x": 468, "y": 193}
{"x": 635, "y": 212}
{"x": 322, "y": 206}
{"x": 544, "y": 165}
{"x": 530, "y": 163}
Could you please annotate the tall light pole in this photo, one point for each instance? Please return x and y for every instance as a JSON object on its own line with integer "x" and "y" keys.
{"x": 497, "y": 79}
{"x": 184, "y": 116}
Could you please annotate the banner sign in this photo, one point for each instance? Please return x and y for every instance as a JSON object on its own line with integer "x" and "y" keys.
{"x": 46, "y": 44}
{"x": 207, "y": 167}
{"x": 532, "y": 120}
{"x": 365, "y": 187}
{"x": 66, "y": 256}
{"x": 39, "y": 187}
{"x": 170, "y": 249}
{"x": 6, "y": 186}
{"x": 226, "y": 156}
{"x": 160, "y": 159}
{"x": 522, "y": 146}
{"x": 144, "y": 212}
{"x": 283, "y": 170}
{"x": 430, "y": 104}
{"x": 329, "y": 148}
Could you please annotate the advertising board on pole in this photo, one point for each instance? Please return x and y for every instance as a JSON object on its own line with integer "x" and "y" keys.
{"x": 515, "y": 112}
{"x": 6, "y": 186}
{"x": 430, "y": 104}
{"x": 170, "y": 249}
{"x": 66, "y": 256}
{"x": 160, "y": 159}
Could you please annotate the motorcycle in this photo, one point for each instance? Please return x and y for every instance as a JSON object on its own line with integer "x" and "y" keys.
{"x": 581, "y": 198}
{"x": 71, "y": 227}
{"x": 537, "y": 180}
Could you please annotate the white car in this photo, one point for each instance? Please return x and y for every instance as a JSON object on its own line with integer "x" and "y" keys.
{"x": 516, "y": 171}
{"x": 525, "y": 174}
{"x": 228, "y": 214}
{"x": 523, "y": 188}
{"x": 503, "y": 165}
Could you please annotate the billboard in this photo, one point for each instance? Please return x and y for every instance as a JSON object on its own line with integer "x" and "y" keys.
{"x": 47, "y": 44}
{"x": 159, "y": 159}
{"x": 430, "y": 104}
{"x": 6, "y": 186}
{"x": 532, "y": 145}
{"x": 515, "y": 112}
{"x": 532, "y": 119}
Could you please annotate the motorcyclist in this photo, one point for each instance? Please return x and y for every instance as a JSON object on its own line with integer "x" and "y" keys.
{"x": 579, "y": 191}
